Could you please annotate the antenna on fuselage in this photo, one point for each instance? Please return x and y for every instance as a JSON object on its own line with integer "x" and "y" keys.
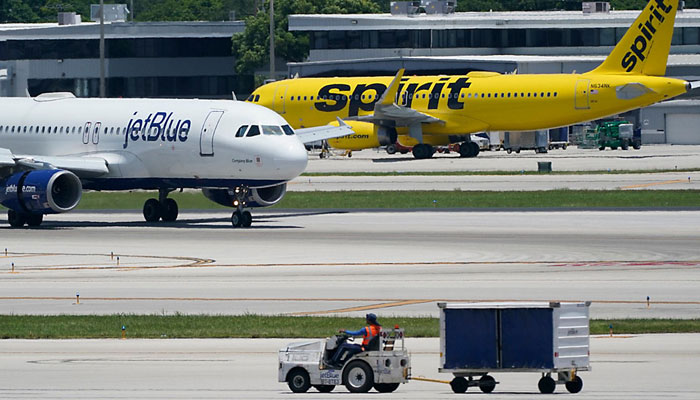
{"x": 233, "y": 95}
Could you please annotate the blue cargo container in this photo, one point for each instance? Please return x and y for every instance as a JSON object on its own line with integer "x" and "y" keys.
{"x": 478, "y": 338}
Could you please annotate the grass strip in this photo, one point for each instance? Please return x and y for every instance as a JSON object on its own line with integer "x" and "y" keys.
{"x": 420, "y": 199}
{"x": 259, "y": 326}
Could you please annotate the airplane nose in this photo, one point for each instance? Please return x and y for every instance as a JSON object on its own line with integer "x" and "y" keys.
{"x": 291, "y": 158}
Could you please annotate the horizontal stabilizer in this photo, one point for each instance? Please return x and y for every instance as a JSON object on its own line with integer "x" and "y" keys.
{"x": 631, "y": 91}
{"x": 308, "y": 135}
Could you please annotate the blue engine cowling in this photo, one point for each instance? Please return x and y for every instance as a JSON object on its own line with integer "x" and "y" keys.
{"x": 46, "y": 191}
{"x": 258, "y": 197}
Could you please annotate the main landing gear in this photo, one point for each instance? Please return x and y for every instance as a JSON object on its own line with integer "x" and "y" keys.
{"x": 468, "y": 149}
{"x": 18, "y": 220}
{"x": 423, "y": 151}
{"x": 241, "y": 218}
{"x": 163, "y": 208}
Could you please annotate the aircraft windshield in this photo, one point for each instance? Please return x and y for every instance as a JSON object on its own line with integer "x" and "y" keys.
{"x": 287, "y": 130}
{"x": 272, "y": 130}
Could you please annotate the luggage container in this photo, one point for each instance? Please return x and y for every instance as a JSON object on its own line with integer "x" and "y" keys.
{"x": 526, "y": 140}
{"x": 479, "y": 338}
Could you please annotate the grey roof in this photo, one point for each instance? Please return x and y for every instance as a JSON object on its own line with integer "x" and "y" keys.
{"x": 472, "y": 20}
{"x": 121, "y": 30}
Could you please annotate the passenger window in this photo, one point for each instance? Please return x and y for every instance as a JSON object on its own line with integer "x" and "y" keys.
{"x": 241, "y": 131}
{"x": 272, "y": 130}
{"x": 287, "y": 130}
{"x": 253, "y": 131}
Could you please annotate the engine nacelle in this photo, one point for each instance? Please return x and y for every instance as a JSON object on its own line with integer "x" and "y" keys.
{"x": 46, "y": 191}
{"x": 367, "y": 135}
{"x": 257, "y": 197}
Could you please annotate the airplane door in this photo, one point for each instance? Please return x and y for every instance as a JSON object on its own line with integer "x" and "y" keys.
{"x": 278, "y": 101}
{"x": 86, "y": 133}
{"x": 96, "y": 133}
{"x": 206, "y": 137}
{"x": 581, "y": 99}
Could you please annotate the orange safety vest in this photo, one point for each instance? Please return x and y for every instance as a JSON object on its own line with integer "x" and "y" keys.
{"x": 370, "y": 332}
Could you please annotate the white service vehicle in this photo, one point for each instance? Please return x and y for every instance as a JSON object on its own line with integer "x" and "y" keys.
{"x": 385, "y": 366}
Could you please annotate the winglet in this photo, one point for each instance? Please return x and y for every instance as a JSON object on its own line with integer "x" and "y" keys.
{"x": 390, "y": 93}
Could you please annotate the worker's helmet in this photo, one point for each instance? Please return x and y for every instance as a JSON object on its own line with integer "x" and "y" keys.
{"x": 372, "y": 319}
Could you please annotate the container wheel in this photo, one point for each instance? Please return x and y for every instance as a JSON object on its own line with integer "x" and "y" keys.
{"x": 601, "y": 148}
{"x": 575, "y": 385}
{"x": 358, "y": 377}
{"x": 546, "y": 384}
{"x": 391, "y": 149}
{"x": 487, "y": 383}
{"x": 386, "y": 387}
{"x": 459, "y": 384}
{"x": 324, "y": 388}
{"x": 298, "y": 380}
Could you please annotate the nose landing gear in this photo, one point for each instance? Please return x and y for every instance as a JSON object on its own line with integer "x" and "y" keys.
{"x": 240, "y": 218}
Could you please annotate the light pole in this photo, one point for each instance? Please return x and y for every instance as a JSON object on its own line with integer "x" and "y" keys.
{"x": 272, "y": 39}
{"x": 102, "y": 48}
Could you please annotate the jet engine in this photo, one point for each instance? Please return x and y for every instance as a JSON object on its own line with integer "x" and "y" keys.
{"x": 256, "y": 197}
{"x": 48, "y": 191}
{"x": 367, "y": 135}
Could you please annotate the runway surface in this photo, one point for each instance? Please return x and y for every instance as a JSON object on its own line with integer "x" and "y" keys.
{"x": 627, "y": 367}
{"x": 392, "y": 263}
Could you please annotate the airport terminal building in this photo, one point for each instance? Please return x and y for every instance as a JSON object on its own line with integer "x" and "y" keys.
{"x": 143, "y": 59}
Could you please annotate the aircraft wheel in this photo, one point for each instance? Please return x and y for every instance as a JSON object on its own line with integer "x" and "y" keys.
{"x": 151, "y": 210}
{"x": 358, "y": 377}
{"x": 237, "y": 219}
{"x": 16, "y": 220}
{"x": 546, "y": 384}
{"x": 169, "y": 210}
{"x": 465, "y": 150}
{"x": 459, "y": 384}
{"x": 475, "y": 149}
{"x": 423, "y": 151}
{"x": 35, "y": 219}
{"x": 247, "y": 219}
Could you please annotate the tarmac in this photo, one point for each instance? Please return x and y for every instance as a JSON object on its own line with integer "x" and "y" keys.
{"x": 623, "y": 367}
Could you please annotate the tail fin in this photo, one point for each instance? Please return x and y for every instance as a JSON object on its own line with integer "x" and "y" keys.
{"x": 644, "y": 48}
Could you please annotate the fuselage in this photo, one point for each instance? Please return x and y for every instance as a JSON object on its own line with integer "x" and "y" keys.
{"x": 470, "y": 103}
{"x": 153, "y": 143}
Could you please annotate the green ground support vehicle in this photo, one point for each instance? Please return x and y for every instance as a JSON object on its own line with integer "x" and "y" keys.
{"x": 616, "y": 134}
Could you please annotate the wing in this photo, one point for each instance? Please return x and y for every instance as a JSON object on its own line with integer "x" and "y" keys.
{"x": 308, "y": 135}
{"x": 81, "y": 166}
{"x": 387, "y": 109}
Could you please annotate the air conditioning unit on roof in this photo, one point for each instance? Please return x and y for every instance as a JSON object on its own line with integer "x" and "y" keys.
{"x": 591, "y": 7}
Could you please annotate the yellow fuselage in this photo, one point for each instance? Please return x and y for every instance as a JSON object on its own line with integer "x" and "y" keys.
{"x": 470, "y": 103}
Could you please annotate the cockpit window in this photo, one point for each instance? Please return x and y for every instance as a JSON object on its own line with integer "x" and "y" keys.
{"x": 250, "y": 98}
{"x": 253, "y": 131}
{"x": 257, "y": 97}
{"x": 272, "y": 130}
{"x": 241, "y": 131}
{"x": 287, "y": 130}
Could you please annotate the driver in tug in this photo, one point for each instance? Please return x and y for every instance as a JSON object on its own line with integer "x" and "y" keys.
{"x": 369, "y": 332}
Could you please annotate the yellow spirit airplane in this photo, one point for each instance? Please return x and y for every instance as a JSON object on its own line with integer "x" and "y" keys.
{"x": 423, "y": 111}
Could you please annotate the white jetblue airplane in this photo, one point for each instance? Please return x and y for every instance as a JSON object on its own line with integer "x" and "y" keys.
{"x": 55, "y": 145}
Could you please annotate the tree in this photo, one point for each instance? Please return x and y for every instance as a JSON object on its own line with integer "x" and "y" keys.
{"x": 252, "y": 46}
{"x": 16, "y": 11}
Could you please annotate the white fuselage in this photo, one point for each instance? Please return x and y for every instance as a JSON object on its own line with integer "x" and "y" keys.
{"x": 153, "y": 143}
